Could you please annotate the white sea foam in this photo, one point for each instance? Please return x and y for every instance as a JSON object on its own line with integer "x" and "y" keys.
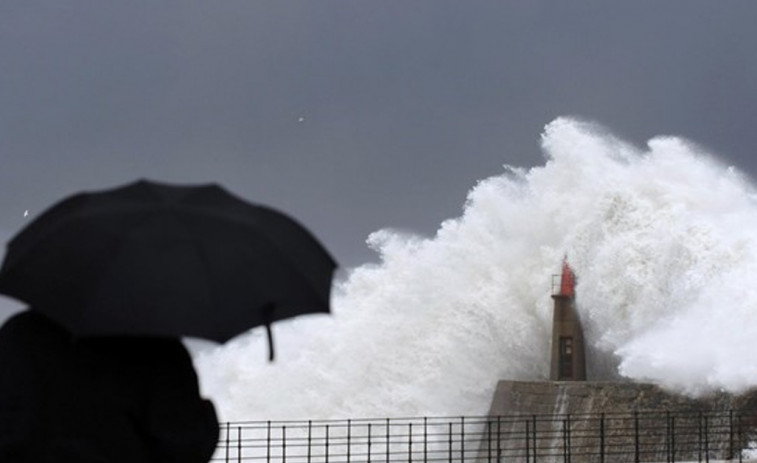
{"x": 662, "y": 240}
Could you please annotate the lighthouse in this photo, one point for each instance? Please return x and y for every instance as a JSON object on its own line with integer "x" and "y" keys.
{"x": 568, "y": 357}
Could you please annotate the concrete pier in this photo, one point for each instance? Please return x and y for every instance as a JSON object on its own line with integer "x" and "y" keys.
{"x": 615, "y": 421}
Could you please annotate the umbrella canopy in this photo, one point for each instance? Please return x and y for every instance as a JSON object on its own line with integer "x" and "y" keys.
{"x": 166, "y": 260}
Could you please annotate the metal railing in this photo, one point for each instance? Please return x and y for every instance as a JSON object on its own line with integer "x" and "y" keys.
{"x": 636, "y": 437}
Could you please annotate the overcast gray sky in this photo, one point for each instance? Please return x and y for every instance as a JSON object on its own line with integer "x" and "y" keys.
{"x": 405, "y": 103}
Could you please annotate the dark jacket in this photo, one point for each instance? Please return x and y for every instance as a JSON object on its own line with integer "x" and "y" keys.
{"x": 119, "y": 399}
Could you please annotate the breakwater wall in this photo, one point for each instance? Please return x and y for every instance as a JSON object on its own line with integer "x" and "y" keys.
{"x": 615, "y": 421}
{"x": 595, "y": 397}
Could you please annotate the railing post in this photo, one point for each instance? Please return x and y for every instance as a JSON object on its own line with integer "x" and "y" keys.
{"x": 310, "y": 438}
{"x": 268, "y": 442}
{"x": 730, "y": 434}
{"x": 533, "y": 435}
{"x": 283, "y": 443}
{"x": 667, "y": 437}
{"x": 239, "y": 444}
{"x": 499, "y": 438}
{"x": 326, "y": 443}
{"x": 570, "y": 445}
{"x": 706, "y": 439}
{"x": 425, "y": 439}
{"x": 700, "y": 440}
{"x": 489, "y": 441}
{"x": 387, "y": 440}
{"x": 564, "y": 443}
{"x": 369, "y": 441}
{"x": 672, "y": 439}
{"x": 349, "y": 443}
{"x": 528, "y": 442}
{"x": 565, "y": 440}
{"x": 602, "y": 438}
{"x": 741, "y": 441}
{"x": 462, "y": 438}
{"x": 410, "y": 443}
{"x": 449, "y": 442}
{"x": 636, "y": 436}
{"x": 228, "y": 428}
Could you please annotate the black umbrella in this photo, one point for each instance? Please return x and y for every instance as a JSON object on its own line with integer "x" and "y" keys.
{"x": 155, "y": 259}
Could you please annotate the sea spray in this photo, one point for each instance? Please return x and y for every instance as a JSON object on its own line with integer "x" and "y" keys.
{"x": 662, "y": 240}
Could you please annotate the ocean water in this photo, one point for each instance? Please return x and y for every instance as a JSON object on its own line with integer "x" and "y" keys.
{"x": 663, "y": 240}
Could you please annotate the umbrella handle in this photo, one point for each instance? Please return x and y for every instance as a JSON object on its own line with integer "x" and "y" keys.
{"x": 268, "y": 319}
{"x": 270, "y": 341}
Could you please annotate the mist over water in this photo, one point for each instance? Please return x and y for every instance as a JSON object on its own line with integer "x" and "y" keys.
{"x": 662, "y": 240}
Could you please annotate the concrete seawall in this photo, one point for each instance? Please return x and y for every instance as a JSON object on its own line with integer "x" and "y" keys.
{"x": 594, "y": 397}
{"x": 615, "y": 421}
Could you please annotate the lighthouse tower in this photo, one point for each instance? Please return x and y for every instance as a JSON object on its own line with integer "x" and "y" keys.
{"x": 568, "y": 357}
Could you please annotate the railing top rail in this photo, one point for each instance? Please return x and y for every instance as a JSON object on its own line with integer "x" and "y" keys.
{"x": 483, "y": 419}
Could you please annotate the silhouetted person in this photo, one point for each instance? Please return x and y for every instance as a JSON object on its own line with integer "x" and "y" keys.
{"x": 108, "y": 399}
